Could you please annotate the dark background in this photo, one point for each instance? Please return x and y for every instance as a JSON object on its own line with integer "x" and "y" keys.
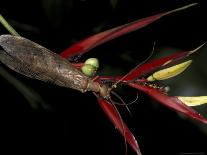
{"x": 74, "y": 123}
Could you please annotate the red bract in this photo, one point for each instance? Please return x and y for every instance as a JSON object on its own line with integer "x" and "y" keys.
{"x": 114, "y": 116}
{"x": 132, "y": 78}
{"x": 169, "y": 101}
{"x": 100, "y": 38}
{"x": 156, "y": 64}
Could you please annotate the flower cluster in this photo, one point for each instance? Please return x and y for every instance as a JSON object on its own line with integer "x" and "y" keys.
{"x": 136, "y": 78}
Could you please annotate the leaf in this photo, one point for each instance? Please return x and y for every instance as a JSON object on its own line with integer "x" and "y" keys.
{"x": 170, "y": 101}
{"x": 114, "y": 116}
{"x": 100, "y": 38}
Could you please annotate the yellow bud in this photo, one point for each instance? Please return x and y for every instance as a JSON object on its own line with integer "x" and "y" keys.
{"x": 88, "y": 70}
{"x": 193, "y": 101}
{"x": 169, "y": 72}
{"x": 93, "y": 62}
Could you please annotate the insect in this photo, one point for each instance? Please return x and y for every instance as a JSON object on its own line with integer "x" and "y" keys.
{"x": 35, "y": 61}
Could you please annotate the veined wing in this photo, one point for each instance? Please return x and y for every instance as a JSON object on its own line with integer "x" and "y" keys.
{"x": 35, "y": 61}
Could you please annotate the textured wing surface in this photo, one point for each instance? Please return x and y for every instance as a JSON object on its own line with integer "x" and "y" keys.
{"x": 35, "y": 61}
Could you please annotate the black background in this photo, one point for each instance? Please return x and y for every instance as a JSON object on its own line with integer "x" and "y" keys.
{"x": 75, "y": 124}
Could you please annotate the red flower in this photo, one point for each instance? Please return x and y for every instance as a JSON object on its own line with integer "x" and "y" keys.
{"x": 137, "y": 77}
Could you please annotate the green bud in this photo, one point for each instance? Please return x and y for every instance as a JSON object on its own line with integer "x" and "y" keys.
{"x": 93, "y": 62}
{"x": 88, "y": 70}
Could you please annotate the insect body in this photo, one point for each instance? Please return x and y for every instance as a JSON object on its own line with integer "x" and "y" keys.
{"x": 35, "y": 61}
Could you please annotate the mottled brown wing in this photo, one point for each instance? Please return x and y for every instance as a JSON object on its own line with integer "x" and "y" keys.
{"x": 35, "y": 61}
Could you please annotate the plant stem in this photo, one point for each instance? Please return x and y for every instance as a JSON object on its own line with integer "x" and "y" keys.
{"x": 8, "y": 26}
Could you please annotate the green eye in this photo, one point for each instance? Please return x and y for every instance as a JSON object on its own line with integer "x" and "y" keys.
{"x": 93, "y": 62}
{"x": 88, "y": 70}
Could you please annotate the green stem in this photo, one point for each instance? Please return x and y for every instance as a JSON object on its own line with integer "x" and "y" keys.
{"x": 8, "y": 26}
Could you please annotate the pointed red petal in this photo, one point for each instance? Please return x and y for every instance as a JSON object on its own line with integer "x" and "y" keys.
{"x": 114, "y": 116}
{"x": 153, "y": 65}
{"x": 156, "y": 64}
{"x": 170, "y": 101}
{"x": 150, "y": 67}
{"x": 100, "y": 38}
{"x": 147, "y": 67}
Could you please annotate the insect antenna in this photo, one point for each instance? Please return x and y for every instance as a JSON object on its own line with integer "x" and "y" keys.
{"x": 123, "y": 103}
{"x": 120, "y": 80}
{"x": 132, "y": 102}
